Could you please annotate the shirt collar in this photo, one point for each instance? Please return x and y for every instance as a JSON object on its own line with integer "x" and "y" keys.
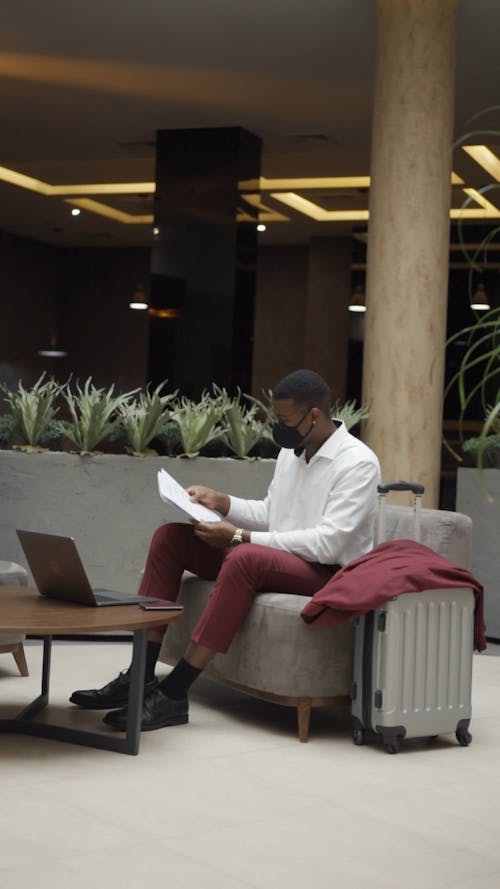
{"x": 330, "y": 448}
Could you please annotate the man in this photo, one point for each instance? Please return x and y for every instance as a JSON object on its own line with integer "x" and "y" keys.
{"x": 317, "y": 516}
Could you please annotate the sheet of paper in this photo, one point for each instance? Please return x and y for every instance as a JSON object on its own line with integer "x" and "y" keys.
{"x": 173, "y": 493}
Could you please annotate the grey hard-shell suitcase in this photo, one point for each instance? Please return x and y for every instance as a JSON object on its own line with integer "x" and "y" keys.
{"x": 413, "y": 659}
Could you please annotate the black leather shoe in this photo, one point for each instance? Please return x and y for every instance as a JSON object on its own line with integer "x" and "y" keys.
{"x": 114, "y": 694}
{"x": 157, "y": 711}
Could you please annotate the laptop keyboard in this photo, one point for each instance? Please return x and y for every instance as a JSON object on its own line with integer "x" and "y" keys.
{"x": 103, "y": 598}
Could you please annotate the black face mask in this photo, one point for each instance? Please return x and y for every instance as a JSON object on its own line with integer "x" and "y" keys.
{"x": 288, "y": 436}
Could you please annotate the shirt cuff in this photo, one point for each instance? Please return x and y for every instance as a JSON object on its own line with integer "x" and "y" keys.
{"x": 261, "y": 538}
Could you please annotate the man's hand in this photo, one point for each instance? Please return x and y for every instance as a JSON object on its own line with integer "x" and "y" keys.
{"x": 217, "y": 534}
{"x": 209, "y": 498}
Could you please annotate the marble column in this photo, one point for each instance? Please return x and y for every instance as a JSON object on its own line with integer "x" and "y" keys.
{"x": 407, "y": 265}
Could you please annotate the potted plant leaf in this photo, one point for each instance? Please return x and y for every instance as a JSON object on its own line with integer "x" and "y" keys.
{"x": 32, "y": 415}
{"x": 144, "y": 419}
{"x": 95, "y": 414}
{"x": 198, "y": 423}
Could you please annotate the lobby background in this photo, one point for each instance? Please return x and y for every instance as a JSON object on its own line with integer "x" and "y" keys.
{"x": 84, "y": 104}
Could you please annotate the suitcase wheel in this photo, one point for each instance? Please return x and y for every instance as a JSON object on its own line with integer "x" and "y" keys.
{"x": 463, "y": 737}
{"x": 358, "y": 737}
{"x": 392, "y": 746}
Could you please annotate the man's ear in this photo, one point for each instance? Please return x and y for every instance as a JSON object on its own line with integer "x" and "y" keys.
{"x": 315, "y": 414}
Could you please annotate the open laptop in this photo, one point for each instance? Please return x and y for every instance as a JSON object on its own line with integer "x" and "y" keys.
{"x": 59, "y": 574}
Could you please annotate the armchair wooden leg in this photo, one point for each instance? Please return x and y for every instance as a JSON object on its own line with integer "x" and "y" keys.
{"x": 20, "y": 659}
{"x": 304, "y": 718}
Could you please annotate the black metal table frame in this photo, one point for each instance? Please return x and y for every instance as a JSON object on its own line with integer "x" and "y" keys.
{"x": 24, "y": 724}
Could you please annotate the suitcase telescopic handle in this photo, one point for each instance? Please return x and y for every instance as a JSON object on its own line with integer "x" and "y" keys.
{"x": 400, "y": 486}
{"x": 383, "y": 490}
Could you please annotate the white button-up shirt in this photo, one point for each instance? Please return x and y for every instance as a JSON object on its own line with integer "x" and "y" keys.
{"x": 324, "y": 510}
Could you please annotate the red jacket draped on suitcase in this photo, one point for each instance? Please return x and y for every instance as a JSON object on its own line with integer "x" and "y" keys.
{"x": 389, "y": 570}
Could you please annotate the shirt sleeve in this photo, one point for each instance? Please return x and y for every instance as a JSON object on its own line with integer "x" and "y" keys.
{"x": 351, "y": 505}
{"x": 250, "y": 514}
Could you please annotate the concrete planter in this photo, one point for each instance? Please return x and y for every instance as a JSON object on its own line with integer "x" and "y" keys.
{"x": 485, "y": 514}
{"x": 109, "y": 504}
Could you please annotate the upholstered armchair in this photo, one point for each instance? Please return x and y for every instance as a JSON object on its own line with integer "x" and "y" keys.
{"x": 13, "y": 575}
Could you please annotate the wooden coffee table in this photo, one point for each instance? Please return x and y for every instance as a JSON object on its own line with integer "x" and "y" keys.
{"x": 23, "y": 610}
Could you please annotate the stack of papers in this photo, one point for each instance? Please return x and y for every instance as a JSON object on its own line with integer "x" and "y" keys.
{"x": 174, "y": 494}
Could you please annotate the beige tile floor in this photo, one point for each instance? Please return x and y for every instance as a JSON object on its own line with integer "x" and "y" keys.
{"x": 234, "y": 801}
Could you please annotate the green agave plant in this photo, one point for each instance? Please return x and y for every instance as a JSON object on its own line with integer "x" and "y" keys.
{"x": 243, "y": 430}
{"x": 34, "y": 410}
{"x": 183, "y": 427}
{"x": 264, "y": 408}
{"x": 95, "y": 414}
{"x": 198, "y": 422}
{"x": 145, "y": 418}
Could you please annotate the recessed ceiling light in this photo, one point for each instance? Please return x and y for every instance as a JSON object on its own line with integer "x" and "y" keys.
{"x": 75, "y": 211}
{"x": 261, "y": 227}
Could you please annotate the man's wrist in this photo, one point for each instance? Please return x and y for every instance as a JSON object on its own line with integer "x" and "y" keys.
{"x": 224, "y": 504}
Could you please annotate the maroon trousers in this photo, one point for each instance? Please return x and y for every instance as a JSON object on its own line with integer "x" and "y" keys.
{"x": 239, "y": 573}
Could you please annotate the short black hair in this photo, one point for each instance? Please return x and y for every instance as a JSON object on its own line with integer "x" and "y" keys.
{"x": 305, "y": 387}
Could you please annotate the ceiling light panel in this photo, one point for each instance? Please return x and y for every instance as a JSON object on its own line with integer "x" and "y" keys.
{"x": 314, "y": 211}
{"x": 103, "y": 188}
{"x": 266, "y": 214}
{"x": 283, "y": 191}
{"x": 485, "y": 158}
{"x": 22, "y": 181}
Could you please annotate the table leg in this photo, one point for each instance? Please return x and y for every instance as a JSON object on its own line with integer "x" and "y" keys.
{"x": 43, "y": 698}
{"x": 136, "y": 693}
{"x": 25, "y": 725}
{"x": 47, "y": 652}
